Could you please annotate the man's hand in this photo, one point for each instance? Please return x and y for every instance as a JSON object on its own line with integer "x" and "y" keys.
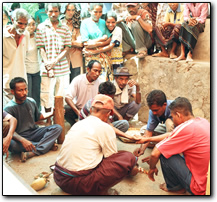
{"x": 132, "y": 82}
{"x": 192, "y": 22}
{"x": 6, "y": 144}
{"x": 142, "y": 140}
{"x": 151, "y": 173}
{"x": 28, "y": 145}
{"x": 131, "y": 18}
{"x": 138, "y": 152}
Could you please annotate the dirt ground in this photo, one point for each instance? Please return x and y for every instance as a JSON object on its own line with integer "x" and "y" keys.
{"x": 137, "y": 185}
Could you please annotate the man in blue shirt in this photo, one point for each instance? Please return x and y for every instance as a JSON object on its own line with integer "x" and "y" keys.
{"x": 159, "y": 120}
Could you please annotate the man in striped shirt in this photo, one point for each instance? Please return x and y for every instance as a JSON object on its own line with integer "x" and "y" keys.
{"x": 53, "y": 39}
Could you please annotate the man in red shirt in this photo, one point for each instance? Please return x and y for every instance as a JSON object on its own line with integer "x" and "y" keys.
{"x": 191, "y": 137}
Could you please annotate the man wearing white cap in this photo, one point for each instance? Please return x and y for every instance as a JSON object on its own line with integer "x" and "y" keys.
{"x": 88, "y": 162}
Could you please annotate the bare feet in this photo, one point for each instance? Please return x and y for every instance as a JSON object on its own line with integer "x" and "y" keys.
{"x": 26, "y": 155}
{"x": 181, "y": 57}
{"x": 141, "y": 54}
{"x": 54, "y": 147}
{"x": 189, "y": 57}
{"x": 173, "y": 56}
{"x": 135, "y": 170}
{"x": 161, "y": 54}
{"x": 163, "y": 186}
{"x": 111, "y": 192}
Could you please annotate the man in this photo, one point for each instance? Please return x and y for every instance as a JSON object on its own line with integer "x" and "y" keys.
{"x": 125, "y": 89}
{"x": 119, "y": 126}
{"x": 191, "y": 137}
{"x": 159, "y": 120}
{"x": 141, "y": 26}
{"x": 82, "y": 88}
{"x": 53, "y": 39}
{"x": 88, "y": 162}
{"x": 9, "y": 127}
{"x": 15, "y": 46}
{"x": 30, "y": 139}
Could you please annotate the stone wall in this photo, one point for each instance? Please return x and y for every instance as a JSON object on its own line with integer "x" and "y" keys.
{"x": 190, "y": 80}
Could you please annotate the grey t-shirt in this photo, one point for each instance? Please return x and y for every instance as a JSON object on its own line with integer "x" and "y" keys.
{"x": 26, "y": 114}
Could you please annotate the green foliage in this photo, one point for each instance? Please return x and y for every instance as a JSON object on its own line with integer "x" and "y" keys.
{"x": 31, "y": 8}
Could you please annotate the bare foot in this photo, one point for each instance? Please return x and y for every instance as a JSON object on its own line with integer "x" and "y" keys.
{"x": 181, "y": 57}
{"x": 163, "y": 186}
{"x": 111, "y": 192}
{"x": 26, "y": 155}
{"x": 141, "y": 54}
{"x": 54, "y": 147}
{"x": 173, "y": 56}
{"x": 189, "y": 57}
{"x": 161, "y": 54}
{"x": 135, "y": 170}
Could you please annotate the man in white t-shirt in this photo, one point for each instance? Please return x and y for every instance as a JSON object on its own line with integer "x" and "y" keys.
{"x": 88, "y": 162}
{"x": 82, "y": 88}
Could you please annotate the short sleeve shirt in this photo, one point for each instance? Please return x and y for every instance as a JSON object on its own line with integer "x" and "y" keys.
{"x": 81, "y": 90}
{"x": 54, "y": 42}
{"x": 93, "y": 30}
{"x": 153, "y": 120}
{"x": 26, "y": 114}
{"x": 192, "y": 138}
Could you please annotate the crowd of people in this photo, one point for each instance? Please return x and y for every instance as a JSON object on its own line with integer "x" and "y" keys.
{"x": 77, "y": 51}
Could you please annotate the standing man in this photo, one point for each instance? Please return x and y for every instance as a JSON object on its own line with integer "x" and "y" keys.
{"x": 141, "y": 26}
{"x": 159, "y": 120}
{"x": 191, "y": 137}
{"x": 125, "y": 89}
{"x": 82, "y": 88}
{"x": 15, "y": 46}
{"x": 30, "y": 139}
{"x": 89, "y": 162}
{"x": 53, "y": 39}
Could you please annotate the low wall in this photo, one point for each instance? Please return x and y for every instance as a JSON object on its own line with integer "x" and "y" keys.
{"x": 190, "y": 80}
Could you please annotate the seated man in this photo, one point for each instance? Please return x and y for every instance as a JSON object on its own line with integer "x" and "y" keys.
{"x": 9, "y": 127}
{"x": 89, "y": 162}
{"x": 125, "y": 89}
{"x": 30, "y": 139}
{"x": 191, "y": 137}
{"x": 82, "y": 88}
{"x": 120, "y": 126}
{"x": 159, "y": 120}
{"x": 141, "y": 26}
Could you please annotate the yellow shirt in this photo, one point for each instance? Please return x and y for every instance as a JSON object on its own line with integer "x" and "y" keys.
{"x": 169, "y": 15}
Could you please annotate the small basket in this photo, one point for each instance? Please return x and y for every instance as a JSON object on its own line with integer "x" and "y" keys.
{"x": 131, "y": 131}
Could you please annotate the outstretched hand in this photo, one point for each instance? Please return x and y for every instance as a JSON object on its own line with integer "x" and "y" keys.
{"x": 138, "y": 152}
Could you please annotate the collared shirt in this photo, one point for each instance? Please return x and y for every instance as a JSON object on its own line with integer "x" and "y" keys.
{"x": 200, "y": 11}
{"x": 81, "y": 90}
{"x": 176, "y": 17}
{"x": 54, "y": 42}
{"x": 153, "y": 120}
{"x": 14, "y": 56}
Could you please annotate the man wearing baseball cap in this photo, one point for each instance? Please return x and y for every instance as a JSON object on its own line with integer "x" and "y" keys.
{"x": 126, "y": 88}
{"x": 89, "y": 162}
{"x": 141, "y": 27}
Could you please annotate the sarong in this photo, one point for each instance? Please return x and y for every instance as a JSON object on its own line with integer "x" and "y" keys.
{"x": 95, "y": 181}
{"x": 166, "y": 36}
{"x": 188, "y": 35}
